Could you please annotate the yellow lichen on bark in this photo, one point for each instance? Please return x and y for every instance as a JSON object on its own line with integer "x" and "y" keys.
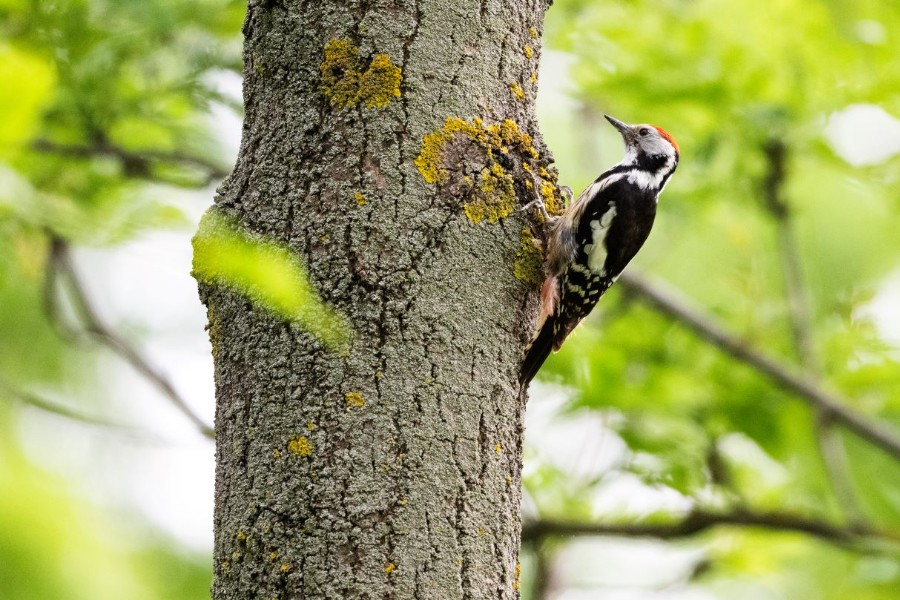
{"x": 488, "y": 195}
{"x": 494, "y": 198}
{"x": 517, "y": 90}
{"x": 380, "y": 83}
{"x": 354, "y": 399}
{"x": 340, "y": 72}
{"x": 300, "y": 446}
{"x": 552, "y": 201}
{"x": 529, "y": 260}
{"x": 346, "y": 83}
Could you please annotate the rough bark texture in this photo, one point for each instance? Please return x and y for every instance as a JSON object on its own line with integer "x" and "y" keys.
{"x": 391, "y": 470}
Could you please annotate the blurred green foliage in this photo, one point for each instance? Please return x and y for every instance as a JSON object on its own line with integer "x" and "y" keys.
{"x": 268, "y": 273}
{"x": 104, "y": 121}
{"x": 55, "y": 546}
{"x": 105, "y": 117}
{"x": 728, "y": 79}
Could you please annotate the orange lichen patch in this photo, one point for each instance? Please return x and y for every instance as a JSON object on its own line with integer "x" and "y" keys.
{"x": 498, "y": 448}
{"x": 390, "y": 568}
{"x": 533, "y": 77}
{"x": 668, "y": 136}
{"x": 354, "y": 399}
{"x": 300, "y": 446}
{"x": 517, "y": 581}
{"x": 285, "y": 567}
{"x": 360, "y": 199}
{"x": 533, "y": 32}
{"x": 529, "y": 51}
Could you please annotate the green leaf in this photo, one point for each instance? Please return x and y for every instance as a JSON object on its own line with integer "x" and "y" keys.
{"x": 267, "y": 272}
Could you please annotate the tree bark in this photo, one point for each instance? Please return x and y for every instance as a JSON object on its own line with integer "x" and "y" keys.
{"x": 391, "y": 469}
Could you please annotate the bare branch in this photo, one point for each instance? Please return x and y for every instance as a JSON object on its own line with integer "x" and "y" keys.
{"x": 61, "y": 264}
{"x": 700, "y": 521}
{"x": 801, "y": 384}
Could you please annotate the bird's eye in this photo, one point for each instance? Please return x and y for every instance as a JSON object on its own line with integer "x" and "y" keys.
{"x": 644, "y": 131}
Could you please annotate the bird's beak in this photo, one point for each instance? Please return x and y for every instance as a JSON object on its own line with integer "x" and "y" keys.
{"x": 623, "y": 128}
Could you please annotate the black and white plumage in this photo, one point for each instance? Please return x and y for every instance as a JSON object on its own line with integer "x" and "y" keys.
{"x": 598, "y": 235}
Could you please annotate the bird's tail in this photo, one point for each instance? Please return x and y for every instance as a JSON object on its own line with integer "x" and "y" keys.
{"x": 538, "y": 351}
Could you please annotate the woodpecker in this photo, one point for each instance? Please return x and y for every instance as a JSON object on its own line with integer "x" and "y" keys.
{"x": 598, "y": 235}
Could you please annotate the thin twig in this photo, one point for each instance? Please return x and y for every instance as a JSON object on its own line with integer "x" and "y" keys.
{"x": 33, "y": 400}
{"x": 801, "y": 384}
{"x": 700, "y": 521}
{"x": 61, "y": 264}
{"x": 831, "y": 445}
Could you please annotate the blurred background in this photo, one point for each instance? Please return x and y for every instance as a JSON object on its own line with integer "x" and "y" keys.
{"x": 725, "y": 425}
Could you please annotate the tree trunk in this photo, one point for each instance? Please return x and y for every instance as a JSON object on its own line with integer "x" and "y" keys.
{"x": 386, "y": 143}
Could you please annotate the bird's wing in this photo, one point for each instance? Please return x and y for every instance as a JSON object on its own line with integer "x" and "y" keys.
{"x": 565, "y": 232}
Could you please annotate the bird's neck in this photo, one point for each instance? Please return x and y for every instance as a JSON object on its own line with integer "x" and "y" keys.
{"x": 650, "y": 172}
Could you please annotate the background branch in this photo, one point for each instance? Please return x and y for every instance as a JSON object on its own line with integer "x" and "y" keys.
{"x": 831, "y": 445}
{"x": 60, "y": 264}
{"x": 699, "y": 521}
{"x": 136, "y": 163}
{"x": 801, "y": 384}
{"x": 33, "y": 400}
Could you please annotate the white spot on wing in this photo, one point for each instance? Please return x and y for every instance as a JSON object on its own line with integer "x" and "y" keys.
{"x": 597, "y": 254}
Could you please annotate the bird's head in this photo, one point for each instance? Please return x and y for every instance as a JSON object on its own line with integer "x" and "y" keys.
{"x": 644, "y": 142}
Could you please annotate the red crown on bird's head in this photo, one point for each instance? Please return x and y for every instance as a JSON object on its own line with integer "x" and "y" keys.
{"x": 668, "y": 136}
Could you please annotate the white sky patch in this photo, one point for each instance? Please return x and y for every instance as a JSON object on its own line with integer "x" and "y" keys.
{"x": 626, "y": 494}
{"x": 225, "y": 124}
{"x": 556, "y": 87}
{"x": 884, "y": 310}
{"x": 615, "y": 565}
{"x": 871, "y": 32}
{"x": 863, "y": 134}
{"x": 581, "y": 444}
